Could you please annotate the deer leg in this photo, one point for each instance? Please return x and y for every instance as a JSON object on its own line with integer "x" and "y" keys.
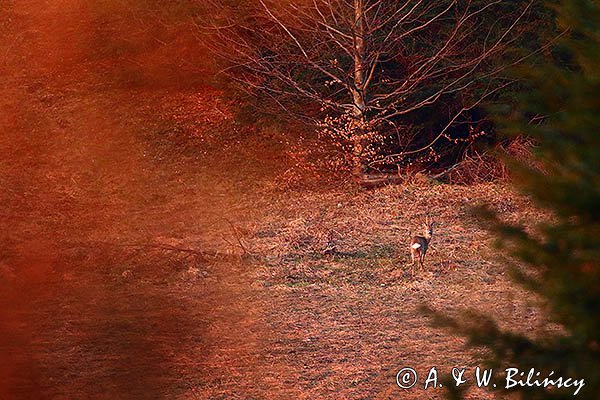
{"x": 417, "y": 259}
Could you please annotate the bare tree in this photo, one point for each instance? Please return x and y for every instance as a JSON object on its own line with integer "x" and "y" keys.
{"x": 367, "y": 64}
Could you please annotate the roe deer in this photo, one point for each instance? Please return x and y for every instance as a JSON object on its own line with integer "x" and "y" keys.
{"x": 420, "y": 244}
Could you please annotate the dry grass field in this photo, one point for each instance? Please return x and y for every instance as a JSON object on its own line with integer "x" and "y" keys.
{"x": 141, "y": 260}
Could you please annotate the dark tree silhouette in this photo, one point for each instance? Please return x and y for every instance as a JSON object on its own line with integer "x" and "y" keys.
{"x": 560, "y": 260}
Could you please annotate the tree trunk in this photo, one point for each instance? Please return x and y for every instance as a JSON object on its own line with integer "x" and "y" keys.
{"x": 358, "y": 164}
{"x": 358, "y": 89}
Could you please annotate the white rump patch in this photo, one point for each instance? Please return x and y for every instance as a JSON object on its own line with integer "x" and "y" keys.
{"x": 416, "y": 246}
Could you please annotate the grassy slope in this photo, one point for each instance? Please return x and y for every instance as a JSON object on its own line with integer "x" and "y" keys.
{"x": 348, "y": 322}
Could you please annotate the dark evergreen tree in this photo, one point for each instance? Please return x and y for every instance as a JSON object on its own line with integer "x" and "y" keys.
{"x": 559, "y": 260}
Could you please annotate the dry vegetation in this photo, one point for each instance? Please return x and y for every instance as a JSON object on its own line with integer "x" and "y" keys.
{"x": 349, "y": 320}
{"x": 138, "y": 262}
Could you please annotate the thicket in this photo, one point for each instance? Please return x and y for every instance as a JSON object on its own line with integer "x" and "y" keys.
{"x": 388, "y": 85}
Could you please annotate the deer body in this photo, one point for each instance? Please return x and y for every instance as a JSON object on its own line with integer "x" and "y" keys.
{"x": 420, "y": 244}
